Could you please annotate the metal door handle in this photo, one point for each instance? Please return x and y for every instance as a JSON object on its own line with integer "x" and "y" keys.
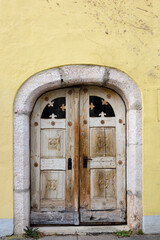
{"x": 85, "y": 161}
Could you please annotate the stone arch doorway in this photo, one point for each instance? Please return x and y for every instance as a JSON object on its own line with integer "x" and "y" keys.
{"x": 68, "y": 76}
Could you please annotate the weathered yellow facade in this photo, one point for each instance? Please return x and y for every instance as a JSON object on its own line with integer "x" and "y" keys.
{"x": 42, "y": 34}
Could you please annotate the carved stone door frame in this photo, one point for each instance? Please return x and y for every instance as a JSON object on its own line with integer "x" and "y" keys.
{"x": 67, "y": 76}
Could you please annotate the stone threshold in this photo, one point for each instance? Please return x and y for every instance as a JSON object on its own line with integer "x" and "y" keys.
{"x": 82, "y": 230}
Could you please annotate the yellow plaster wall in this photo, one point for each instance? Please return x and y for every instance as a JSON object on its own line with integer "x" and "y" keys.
{"x": 39, "y": 34}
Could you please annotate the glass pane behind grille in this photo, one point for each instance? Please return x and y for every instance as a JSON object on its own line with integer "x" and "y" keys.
{"x": 98, "y": 107}
{"x": 56, "y": 107}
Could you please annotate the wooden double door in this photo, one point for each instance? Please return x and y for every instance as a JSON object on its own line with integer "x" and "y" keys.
{"x": 78, "y": 157}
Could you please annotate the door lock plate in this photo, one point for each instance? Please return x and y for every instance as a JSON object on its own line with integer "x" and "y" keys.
{"x": 69, "y": 163}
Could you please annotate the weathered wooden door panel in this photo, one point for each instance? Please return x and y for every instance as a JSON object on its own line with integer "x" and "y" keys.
{"x": 54, "y": 155}
{"x": 102, "y": 136}
{"x": 103, "y": 189}
{"x": 52, "y": 143}
{"x": 112, "y": 216}
{"x": 53, "y": 189}
{"x": 78, "y": 157}
{"x": 52, "y": 217}
{"x": 102, "y": 142}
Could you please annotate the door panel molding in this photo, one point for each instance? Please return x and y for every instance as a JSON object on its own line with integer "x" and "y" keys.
{"x": 77, "y": 75}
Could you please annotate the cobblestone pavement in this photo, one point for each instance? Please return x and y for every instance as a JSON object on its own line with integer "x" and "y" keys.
{"x": 89, "y": 237}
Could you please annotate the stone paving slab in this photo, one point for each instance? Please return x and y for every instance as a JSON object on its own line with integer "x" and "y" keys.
{"x": 112, "y": 237}
{"x": 89, "y": 237}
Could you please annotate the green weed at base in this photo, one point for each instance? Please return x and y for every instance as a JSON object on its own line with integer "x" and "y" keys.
{"x": 31, "y": 232}
{"x": 140, "y": 232}
{"x": 123, "y": 233}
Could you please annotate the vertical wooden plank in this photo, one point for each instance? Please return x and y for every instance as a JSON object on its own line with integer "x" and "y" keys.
{"x": 76, "y": 156}
{"x": 110, "y": 142}
{"x": 98, "y": 183}
{"x": 69, "y": 149}
{"x": 35, "y": 158}
{"x": 84, "y": 149}
{"x": 120, "y": 155}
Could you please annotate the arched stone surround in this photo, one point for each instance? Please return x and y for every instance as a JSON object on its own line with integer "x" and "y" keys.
{"x": 70, "y": 76}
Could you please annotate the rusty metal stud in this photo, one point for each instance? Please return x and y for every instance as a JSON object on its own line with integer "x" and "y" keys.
{"x": 85, "y": 90}
{"x": 69, "y": 123}
{"x": 70, "y": 92}
{"x": 85, "y": 121}
{"x": 119, "y": 162}
{"x": 108, "y": 95}
{"x": 102, "y": 121}
{"x": 46, "y": 98}
{"x": 120, "y": 121}
{"x": 36, "y": 164}
{"x": 52, "y": 123}
{"x": 35, "y": 123}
